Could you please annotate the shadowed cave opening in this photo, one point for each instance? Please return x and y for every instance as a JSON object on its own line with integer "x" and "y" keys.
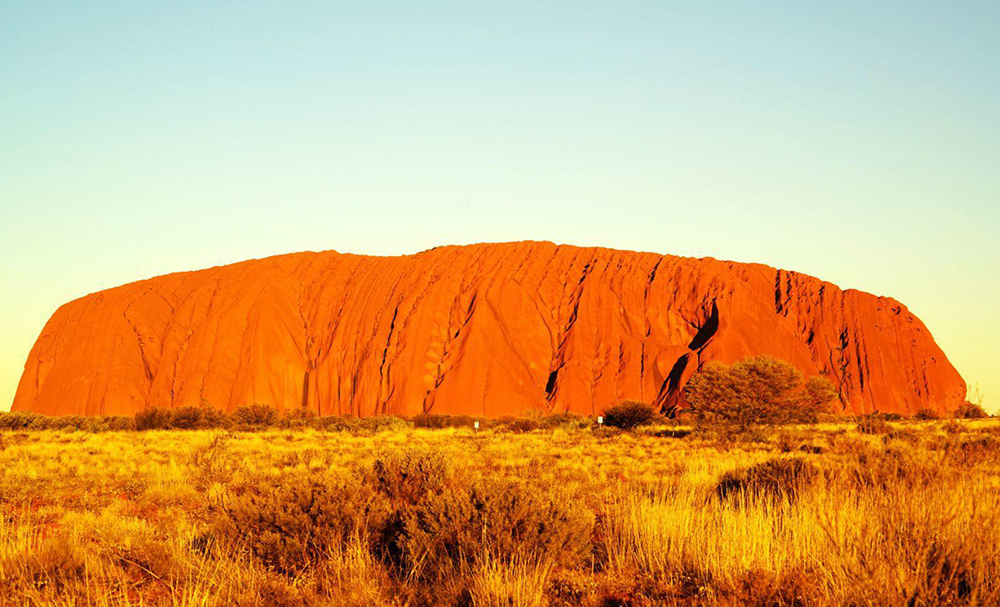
{"x": 550, "y": 385}
{"x": 707, "y": 330}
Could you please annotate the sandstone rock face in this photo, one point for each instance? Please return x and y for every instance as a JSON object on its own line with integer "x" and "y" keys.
{"x": 492, "y": 329}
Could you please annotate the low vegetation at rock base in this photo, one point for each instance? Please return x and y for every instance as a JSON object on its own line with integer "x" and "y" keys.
{"x": 259, "y": 510}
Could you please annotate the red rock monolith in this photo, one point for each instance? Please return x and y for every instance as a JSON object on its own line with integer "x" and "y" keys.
{"x": 490, "y": 329}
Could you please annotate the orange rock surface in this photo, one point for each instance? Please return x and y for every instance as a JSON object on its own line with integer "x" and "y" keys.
{"x": 491, "y": 329}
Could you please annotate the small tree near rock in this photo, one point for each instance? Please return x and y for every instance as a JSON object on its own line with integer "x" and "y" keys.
{"x": 758, "y": 391}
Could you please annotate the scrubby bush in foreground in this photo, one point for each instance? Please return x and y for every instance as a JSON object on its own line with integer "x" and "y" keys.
{"x": 759, "y": 391}
{"x": 407, "y": 512}
{"x": 296, "y": 522}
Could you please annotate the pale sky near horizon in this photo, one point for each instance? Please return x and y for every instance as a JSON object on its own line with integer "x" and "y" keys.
{"x": 854, "y": 141}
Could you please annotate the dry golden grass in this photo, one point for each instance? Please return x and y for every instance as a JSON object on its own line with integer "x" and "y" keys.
{"x": 908, "y": 515}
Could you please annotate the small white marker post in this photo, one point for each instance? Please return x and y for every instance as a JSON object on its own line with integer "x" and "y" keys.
{"x": 600, "y": 420}
{"x": 476, "y": 426}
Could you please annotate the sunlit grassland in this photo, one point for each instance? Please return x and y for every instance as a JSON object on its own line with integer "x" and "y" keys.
{"x": 564, "y": 516}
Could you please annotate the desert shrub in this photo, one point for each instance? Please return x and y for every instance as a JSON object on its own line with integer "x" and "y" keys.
{"x": 61, "y": 422}
{"x": 573, "y": 587}
{"x": 926, "y": 415}
{"x": 518, "y": 425}
{"x": 256, "y": 416}
{"x": 436, "y": 420}
{"x": 215, "y": 418}
{"x": 970, "y": 410}
{"x": 630, "y": 415}
{"x": 563, "y": 420}
{"x": 438, "y": 526}
{"x": 756, "y": 391}
{"x": 606, "y": 432}
{"x": 793, "y": 588}
{"x": 298, "y": 417}
{"x": 406, "y": 477}
{"x": 381, "y": 423}
{"x": 299, "y": 413}
{"x": 500, "y": 520}
{"x": 873, "y": 424}
{"x": 774, "y": 479}
{"x": 187, "y": 418}
{"x": 907, "y": 436}
{"x": 891, "y": 468}
{"x": 787, "y": 442}
{"x": 952, "y": 427}
{"x": 973, "y": 451}
{"x": 337, "y": 423}
{"x": 430, "y": 420}
{"x": 152, "y": 418}
{"x": 19, "y": 420}
{"x": 361, "y": 425}
{"x": 212, "y": 461}
{"x": 116, "y": 423}
{"x": 292, "y": 524}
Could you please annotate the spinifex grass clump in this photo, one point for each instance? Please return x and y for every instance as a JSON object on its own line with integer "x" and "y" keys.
{"x": 774, "y": 479}
{"x": 873, "y": 424}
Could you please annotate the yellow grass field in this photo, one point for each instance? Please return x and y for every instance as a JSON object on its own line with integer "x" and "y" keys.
{"x": 572, "y": 515}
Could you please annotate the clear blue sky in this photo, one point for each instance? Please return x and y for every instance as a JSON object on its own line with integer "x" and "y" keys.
{"x": 855, "y": 141}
